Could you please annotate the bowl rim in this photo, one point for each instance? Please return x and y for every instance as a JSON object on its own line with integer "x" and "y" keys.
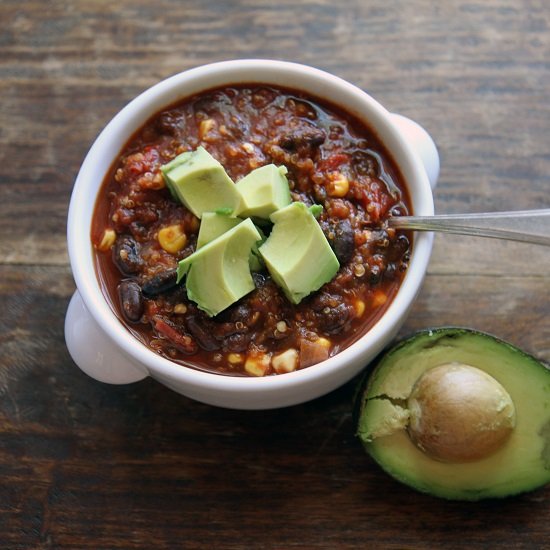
{"x": 185, "y": 84}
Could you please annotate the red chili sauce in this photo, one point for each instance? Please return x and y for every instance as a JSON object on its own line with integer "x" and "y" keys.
{"x": 140, "y": 232}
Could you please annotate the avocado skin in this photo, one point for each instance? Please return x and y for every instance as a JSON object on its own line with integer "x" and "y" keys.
{"x": 443, "y": 336}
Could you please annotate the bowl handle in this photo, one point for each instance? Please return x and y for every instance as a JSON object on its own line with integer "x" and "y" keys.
{"x": 422, "y": 143}
{"x": 93, "y": 351}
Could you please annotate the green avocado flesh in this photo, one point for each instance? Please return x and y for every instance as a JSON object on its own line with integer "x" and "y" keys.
{"x": 520, "y": 464}
{"x": 229, "y": 244}
{"x": 218, "y": 273}
{"x": 297, "y": 253}
{"x": 213, "y": 225}
{"x": 200, "y": 182}
{"x": 263, "y": 191}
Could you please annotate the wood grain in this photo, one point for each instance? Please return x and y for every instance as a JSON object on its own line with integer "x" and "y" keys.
{"x": 87, "y": 465}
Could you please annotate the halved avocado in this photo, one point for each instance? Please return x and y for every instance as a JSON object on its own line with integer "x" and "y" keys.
{"x": 458, "y": 414}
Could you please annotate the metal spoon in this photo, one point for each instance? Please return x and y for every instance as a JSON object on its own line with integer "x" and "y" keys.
{"x": 530, "y": 226}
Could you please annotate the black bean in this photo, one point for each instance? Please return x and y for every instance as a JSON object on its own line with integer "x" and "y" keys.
{"x": 168, "y": 123}
{"x": 202, "y": 334}
{"x": 237, "y": 343}
{"x": 375, "y": 274}
{"x": 241, "y": 313}
{"x": 399, "y": 249}
{"x": 162, "y": 282}
{"x": 126, "y": 255}
{"x": 221, "y": 330}
{"x": 333, "y": 319}
{"x": 323, "y": 300}
{"x": 366, "y": 163}
{"x": 131, "y": 300}
{"x": 302, "y": 137}
{"x": 342, "y": 240}
{"x": 213, "y": 104}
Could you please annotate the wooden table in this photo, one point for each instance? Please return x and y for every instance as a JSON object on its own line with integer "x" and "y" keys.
{"x": 88, "y": 465}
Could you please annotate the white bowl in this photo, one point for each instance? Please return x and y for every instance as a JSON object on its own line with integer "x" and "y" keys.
{"x": 103, "y": 348}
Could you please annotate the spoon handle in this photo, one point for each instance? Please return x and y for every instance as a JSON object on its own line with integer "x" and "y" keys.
{"x": 530, "y": 226}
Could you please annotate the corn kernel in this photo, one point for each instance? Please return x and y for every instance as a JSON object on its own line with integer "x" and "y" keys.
{"x": 205, "y": 127}
{"x": 379, "y": 298}
{"x": 359, "y": 307}
{"x": 286, "y": 361}
{"x": 108, "y": 239}
{"x": 257, "y": 364}
{"x": 324, "y": 342}
{"x": 180, "y": 309}
{"x": 172, "y": 238}
{"x": 338, "y": 186}
{"x": 235, "y": 358}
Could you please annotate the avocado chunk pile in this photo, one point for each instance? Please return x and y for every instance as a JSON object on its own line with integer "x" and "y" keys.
{"x": 230, "y": 243}
{"x": 458, "y": 414}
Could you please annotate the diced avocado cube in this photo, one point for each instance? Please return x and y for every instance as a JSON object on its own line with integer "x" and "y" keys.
{"x": 297, "y": 253}
{"x": 174, "y": 163}
{"x": 201, "y": 183}
{"x": 263, "y": 191}
{"x": 214, "y": 224}
{"x": 218, "y": 274}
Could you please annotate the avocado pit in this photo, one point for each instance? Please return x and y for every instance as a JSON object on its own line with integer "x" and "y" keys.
{"x": 459, "y": 413}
